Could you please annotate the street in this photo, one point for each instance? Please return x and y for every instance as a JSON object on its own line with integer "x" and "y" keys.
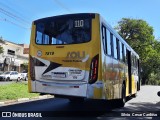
{"x": 146, "y": 100}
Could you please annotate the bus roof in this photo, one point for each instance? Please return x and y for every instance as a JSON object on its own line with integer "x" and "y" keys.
{"x": 83, "y": 15}
{"x": 92, "y": 15}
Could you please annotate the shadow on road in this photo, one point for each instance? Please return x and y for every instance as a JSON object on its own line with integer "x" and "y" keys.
{"x": 62, "y": 107}
{"x": 89, "y": 109}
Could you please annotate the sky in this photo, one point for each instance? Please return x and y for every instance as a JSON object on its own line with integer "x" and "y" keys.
{"x": 16, "y": 16}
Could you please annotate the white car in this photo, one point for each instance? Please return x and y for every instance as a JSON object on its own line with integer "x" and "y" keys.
{"x": 10, "y": 75}
{"x": 24, "y": 76}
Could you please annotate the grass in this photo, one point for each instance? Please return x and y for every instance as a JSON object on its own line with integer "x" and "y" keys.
{"x": 14, "y": 91}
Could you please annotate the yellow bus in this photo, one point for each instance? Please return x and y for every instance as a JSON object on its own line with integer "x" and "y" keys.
{"x": 79, "y": 56}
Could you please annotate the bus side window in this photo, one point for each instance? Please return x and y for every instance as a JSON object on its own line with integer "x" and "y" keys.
{"x": 104, "y": 38}
{"x": 39, "y": 37}
{"x": 115, "y": 47}
{"x": 54, "y": 40}
{"x": 125, "y": 55}
{"x": 134, "y": 61}
{"x": 112, "y": 47}
{"x": 108, "y": 43}
{"x": 118, "y": 49}
{"x": 45, "y": 39}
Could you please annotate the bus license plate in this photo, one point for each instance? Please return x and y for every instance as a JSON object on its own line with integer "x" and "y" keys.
{"x": 59, "y": 74}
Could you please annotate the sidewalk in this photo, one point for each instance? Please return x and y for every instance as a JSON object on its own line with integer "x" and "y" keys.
{"x": 21, "y": 100}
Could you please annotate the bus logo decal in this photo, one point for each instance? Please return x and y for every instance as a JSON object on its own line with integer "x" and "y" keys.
{"x": 76, "y": 55}
{"x": 39, "y": 53}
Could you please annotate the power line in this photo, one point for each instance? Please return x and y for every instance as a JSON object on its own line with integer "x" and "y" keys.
{"x": 12, "y": 16}
{"x": 16, "y": 24}
{"x": 62, "y": 5}
{"x": 6, "y": 20}
{"x": 9, "y": 14}
{"x": 17, "y": 13}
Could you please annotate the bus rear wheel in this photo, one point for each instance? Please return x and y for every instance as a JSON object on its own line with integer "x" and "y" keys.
{"x": 122, "y": 101}
{"x": 76, "y": 100}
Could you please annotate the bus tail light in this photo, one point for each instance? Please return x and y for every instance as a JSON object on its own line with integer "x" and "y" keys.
{"x": 32, "y": 71}
{"x": 93, "y": 74}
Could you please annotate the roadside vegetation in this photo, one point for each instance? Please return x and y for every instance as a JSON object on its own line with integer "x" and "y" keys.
{"x": 139, "y": 34}
{"x": 1, "y": 48}
{"x": 14, "y": 91}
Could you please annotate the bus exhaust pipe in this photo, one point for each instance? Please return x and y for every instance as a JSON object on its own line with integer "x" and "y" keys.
{"x": 158, "y": 93}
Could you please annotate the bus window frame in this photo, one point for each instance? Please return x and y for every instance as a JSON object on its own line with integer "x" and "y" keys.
{"x": 104, "y": 37}
{"x": 91, "y": 25}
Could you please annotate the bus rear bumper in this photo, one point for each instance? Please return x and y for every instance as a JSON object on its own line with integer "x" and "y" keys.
{"x": 78, "y": 89}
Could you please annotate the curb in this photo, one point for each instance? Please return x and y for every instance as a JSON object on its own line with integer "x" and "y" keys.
{"x": 25, "y": 99}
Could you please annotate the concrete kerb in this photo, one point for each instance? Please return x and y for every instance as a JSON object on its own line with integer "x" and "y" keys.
{"x": 25, "y": 99}
{"x": 1, "y": 103}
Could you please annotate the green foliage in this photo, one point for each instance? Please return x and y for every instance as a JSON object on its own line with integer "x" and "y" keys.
{"x": 14, "y": 91}
{"x": 154, "y": 79}
{"x": 140, "y": 36}
{"x": 25, "y": 66}
{"x": 1, "y": 48}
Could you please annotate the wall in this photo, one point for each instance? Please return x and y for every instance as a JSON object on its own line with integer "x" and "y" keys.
{"x": 13, "y": 56}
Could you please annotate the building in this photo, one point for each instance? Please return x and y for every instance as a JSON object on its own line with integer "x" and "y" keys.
{"x": 14, "y": 56}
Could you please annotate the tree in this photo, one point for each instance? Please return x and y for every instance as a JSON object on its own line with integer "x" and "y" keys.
{"x": 25, "y": 66}
{"x": 140, "y": 36}
{"x": 1, "y": 48}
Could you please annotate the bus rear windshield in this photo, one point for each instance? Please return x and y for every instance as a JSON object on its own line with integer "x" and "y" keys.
{"x": 63, "y": 31}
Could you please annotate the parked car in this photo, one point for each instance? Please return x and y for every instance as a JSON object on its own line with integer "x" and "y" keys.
{"x": 24, "y": 76}
{"x": 10, "y": 75}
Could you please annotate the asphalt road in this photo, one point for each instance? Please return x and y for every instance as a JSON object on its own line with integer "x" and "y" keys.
{"x": 147, "y": 100}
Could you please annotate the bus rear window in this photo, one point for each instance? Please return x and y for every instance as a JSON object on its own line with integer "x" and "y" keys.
{"x": 63, "y": 31}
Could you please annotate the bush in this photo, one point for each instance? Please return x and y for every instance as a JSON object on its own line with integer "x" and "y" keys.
{"x": 154, "y": 79}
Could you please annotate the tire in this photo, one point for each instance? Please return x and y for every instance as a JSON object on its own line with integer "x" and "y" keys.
{"x": 7, "y": 79}
{"x": 76, "y": 100}
{"x": 122, "y": 101}
{"x": 138, "y": 86}
{"x": 18, "y": 79}
{"x": 25, "y": 79}
{"x": 134, "y": 95}
{"x": 116, "y": 103}
{"x": 42, "y": 94}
